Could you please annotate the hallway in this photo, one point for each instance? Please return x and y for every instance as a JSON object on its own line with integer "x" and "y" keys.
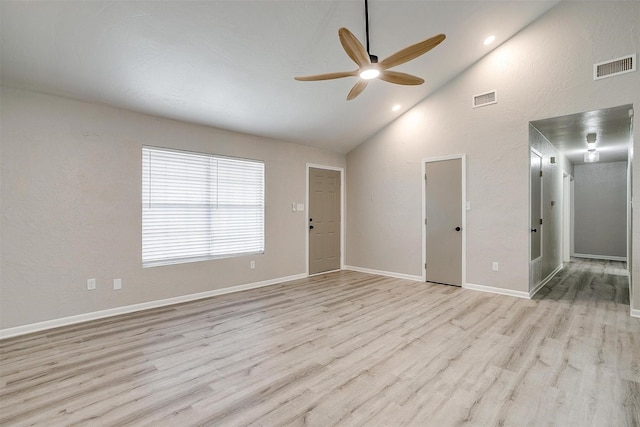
{"x": 590, "y": 283}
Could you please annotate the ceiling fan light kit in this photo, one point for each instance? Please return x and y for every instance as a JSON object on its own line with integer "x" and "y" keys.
{"x": 368, "y": 66}
{"x": 369, "y": 73}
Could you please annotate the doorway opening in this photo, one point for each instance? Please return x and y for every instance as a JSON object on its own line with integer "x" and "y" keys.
{"x": 586, "y": 187}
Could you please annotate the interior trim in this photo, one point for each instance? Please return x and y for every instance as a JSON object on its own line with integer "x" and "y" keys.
{"x": 545, "y": 281}
{"x": 384, "y": 273}
{"x": 500, "y": 291}
{"x": 604, "y": 257}
{"x": 463, "y": 159}
{"x": 343, "y": 180}
{"x": 95, "y": 315}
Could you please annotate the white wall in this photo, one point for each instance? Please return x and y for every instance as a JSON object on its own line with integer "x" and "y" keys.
{"x": 600, "y": 203}
{"x": 71, "y": 208}
{"x": 544, "y": 71}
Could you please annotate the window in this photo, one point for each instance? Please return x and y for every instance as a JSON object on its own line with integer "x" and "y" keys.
{"x": 199, "y": 206}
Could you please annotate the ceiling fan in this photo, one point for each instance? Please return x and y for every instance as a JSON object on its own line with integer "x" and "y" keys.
{"x": 368, "y": 66}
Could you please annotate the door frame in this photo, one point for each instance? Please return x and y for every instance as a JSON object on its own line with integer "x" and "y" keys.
{"x": 567, "y": 223}
{"x": 306, "y": 214}
{"x": 463, "y": 166}
{"x": 538, "y": 259}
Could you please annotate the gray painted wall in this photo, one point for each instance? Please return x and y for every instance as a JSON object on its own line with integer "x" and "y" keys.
{"x": 544, "y": 71}
{"x": 600, "y": 209}
{"x": 72, "y": 208}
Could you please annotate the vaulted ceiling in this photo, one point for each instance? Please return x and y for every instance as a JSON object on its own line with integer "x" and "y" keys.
{"x": 231, "y": 64}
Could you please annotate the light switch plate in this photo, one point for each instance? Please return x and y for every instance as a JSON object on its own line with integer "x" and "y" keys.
{"x": 117, "y": 284}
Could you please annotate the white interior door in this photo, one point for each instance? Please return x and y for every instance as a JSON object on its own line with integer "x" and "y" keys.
{"x": 443, "y": 214}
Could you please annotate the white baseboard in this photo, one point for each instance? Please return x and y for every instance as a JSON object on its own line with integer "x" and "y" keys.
{"x": 71, "y": 320}
{"x": 500, "y": 291}
{"x": 604, "y": 257}
{"x": 635, "y": 313}
{"x": 383, "y": 273}
{"x": 545, "y": 281}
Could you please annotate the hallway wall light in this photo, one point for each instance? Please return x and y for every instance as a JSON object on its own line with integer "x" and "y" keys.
{"x": 591, "y": 141}
{"x": 591, "y": 156}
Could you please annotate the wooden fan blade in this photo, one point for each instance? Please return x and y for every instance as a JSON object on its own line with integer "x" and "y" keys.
{"x": 327, "y": 76}
{"x": 357, "y": 89}
{"x": 354, "y": 48}
{"x": 400, "y": 78}
{"x": 411, "y": 52}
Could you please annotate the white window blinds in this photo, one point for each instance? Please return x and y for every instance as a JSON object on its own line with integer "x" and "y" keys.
{"x": 198, "y": 206}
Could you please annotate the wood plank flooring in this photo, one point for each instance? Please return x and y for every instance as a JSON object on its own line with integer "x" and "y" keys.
{"x": 343, "y": 348}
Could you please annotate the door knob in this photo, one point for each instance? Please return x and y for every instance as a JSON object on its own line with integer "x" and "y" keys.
{"x": 458, "y": 229}
{"x": 534, "y": 230}
{"x": 311, "y": 227}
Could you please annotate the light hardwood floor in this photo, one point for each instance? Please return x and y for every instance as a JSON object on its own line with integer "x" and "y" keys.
{"x": 343, "y": 348}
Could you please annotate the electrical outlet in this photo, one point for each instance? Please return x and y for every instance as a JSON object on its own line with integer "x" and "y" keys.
{"x": 91, "y": 284}
{"x": 252, "y": 265}
{"x": 494, "y": 266}
{"x": 117, "y": 284}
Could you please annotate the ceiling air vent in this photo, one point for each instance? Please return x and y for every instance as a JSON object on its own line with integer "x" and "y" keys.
{"x": 615, "y": 67}
{"x": 486, "y": 98}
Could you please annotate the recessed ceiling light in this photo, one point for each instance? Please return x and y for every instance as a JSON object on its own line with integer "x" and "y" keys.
{"x": 489, "y": 40}
{"x": 396, "y": 107}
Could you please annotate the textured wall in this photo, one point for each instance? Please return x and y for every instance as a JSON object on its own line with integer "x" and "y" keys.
{"x": 71, "y": 208}
{"x": 600, "y": 205}
{"x": 544, "y": 71}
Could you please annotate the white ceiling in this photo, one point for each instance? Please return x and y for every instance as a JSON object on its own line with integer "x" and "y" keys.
{"x": 612, "y": 127}
{"x": 231, "y": 64}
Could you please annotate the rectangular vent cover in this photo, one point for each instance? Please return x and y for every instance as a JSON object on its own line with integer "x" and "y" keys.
{"x": 486, "y": 98}
{"x": 614, "y": 67}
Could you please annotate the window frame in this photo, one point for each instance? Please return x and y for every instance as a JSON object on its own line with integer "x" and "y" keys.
{"x": 211, "y": 255}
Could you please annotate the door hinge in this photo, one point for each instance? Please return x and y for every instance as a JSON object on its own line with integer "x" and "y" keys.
{"x": 425, "y": 265}
{"x": 425, "y": 176}
{"x": 425, "y": 221}
{"x": 540, "y": 173}
{"x": 540, "y": 221}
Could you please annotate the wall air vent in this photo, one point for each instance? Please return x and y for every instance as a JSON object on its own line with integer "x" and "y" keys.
{"x": 486, "y": 98}
{"x": 614, "y": 67}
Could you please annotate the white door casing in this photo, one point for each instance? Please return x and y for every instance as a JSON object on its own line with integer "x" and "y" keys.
{"x": 444, "y": 220}
{"x": 329, "y": 227}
